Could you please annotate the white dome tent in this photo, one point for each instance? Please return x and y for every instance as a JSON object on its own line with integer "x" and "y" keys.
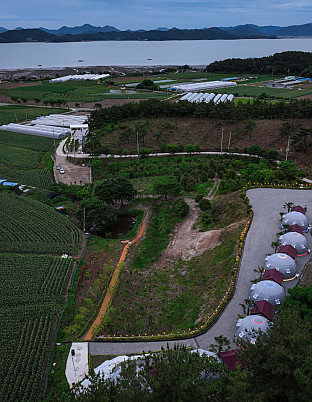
{"x": 282, "y": 263}
{"x": 297, "y": 240}
{"x": 295, "y": 218}
{"x": 267, "y": 290}
{"x": 248, "y": 328}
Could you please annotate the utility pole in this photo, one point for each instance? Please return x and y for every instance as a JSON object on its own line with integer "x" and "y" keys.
{"x": 138, "y": 147}
{"x": 84, "y": 220}
{"x": 229, "y": 141}
{"x": 26, "y": 114}
{"x": 288, "y": 148}
{"x": 222, "y": 135}
{"x": 15, "y": 117}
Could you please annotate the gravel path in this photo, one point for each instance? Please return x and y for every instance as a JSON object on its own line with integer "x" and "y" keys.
{"x": 266, "y": 203}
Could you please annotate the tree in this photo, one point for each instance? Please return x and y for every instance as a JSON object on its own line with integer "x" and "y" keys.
{"x": 115, "y": 189}
{"x": 148, "y": 84}
{"x": 288, "y": 206}
{"x": 170, "y": 375}
{"x": 275, "y": 245}
{"x": 167, "y": 185}
{"x": 181, "y": 208}
{"x": 98, "y": 215}
{"x": 205, "y": 205}
{"x": 221, "y": 343}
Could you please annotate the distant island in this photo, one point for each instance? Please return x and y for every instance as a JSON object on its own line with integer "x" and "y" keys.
{"x": 89, "y": 32}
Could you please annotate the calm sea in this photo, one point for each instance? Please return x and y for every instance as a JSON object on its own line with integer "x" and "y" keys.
{"x": 202, "y": 52}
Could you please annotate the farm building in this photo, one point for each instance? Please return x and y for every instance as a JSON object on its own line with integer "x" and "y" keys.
{"x": 207, "y": 97}
{"x": 282, "y": 263}
{"x": 248, "y": 328}
{"x": 295, "y": 218}
{"x": 198, "y": 86}
{"x": 267, "y": 290}
{"x": 38, "y": 130}
{"x": 79, "y": 132}
{"x": 297, "y": 240}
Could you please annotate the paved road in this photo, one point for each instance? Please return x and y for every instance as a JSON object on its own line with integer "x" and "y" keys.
{"x": 266, "y": 203}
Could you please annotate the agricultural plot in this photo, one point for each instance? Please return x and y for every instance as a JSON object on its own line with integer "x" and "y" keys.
{"x": 18, "y": 157}
{"x": 17, "y": 113}
{"x": 254, "y": 91}
{"x": 28, "y": 226}
{"x": 40, "y": 178}
{"x": 40, "y": 144}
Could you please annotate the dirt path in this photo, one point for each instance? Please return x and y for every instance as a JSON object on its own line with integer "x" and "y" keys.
{"x": 187, "y": 242}
{"x": 112, "y": 285}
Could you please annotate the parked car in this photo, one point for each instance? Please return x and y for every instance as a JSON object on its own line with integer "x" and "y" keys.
{"x": 62, "y": 171}
{"x": 58, "y": 167}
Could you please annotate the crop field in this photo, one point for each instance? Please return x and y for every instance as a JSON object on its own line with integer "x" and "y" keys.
{"x": 32, "y": 293}
{"x": 17, "y": 113}
{"x": 40, "y": 178}
{"x": 35, "y": 143}
{"x": 69, "y": 92}
{"x": 18, "y": 157}
{"x": 254, "y": 91}
{"x": 28, "y": 226}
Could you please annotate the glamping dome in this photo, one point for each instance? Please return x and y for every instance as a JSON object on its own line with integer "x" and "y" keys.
{"x": 270, "y": 291}
{"x": 295, "y": 239}
{"x": 248, "y": 328}
{"x": 295, "y": 218}
{"x": 282, "y": 263}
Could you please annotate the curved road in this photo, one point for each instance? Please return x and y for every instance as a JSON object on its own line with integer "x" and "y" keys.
{"x": 266, "y": 204}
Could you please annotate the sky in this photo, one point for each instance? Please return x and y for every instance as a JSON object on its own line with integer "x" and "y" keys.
{"x": 149, "y": 14}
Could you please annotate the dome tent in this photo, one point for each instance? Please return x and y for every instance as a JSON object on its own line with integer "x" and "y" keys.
{"x": 295, "y": 218}
{"x": 295, "y": 239}
{"x": 283, "y": 263}
{"x": 270, "y": 291}
{"x": 248, "y": 328}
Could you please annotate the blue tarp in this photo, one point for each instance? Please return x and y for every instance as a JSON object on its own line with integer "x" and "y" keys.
{"x": 8, "y": 183}
{"x": 2, "y": 180}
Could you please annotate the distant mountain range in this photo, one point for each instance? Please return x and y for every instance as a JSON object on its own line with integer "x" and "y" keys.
{"x": 89, "y": 32}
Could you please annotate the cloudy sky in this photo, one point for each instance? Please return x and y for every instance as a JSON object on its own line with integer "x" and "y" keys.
{"x": 149, "y": 14}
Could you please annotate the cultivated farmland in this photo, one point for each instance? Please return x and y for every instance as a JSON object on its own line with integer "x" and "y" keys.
{"x": 29, "y": 226}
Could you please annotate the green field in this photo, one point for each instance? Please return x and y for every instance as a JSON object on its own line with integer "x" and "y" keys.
{"x": 21, "y": 159}
{"x": 71, "y": 91}
{"x": 28, "y": 226}
{"x": 32, "y": 293}
{"x": 254, "y": 91}
{"x": 31, "y": 142}
{"x": 17, "y": 113}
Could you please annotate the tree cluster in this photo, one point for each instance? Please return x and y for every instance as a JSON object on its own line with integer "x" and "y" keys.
{"x": 285, "y": 63}
{"x": 154, "y": 108}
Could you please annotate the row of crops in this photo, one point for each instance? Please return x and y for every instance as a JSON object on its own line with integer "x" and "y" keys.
{"x": 25, "y": 343}
{"x": 39, "y": 178}
{"x": 28, "y": 226}
{"x": 32, "y": 292}
{"x": 40, "y": 144}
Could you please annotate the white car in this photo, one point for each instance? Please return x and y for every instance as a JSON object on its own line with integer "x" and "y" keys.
{"x": 62, "y": 171}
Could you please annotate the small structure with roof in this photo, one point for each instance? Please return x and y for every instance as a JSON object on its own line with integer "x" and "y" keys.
{"x": 267, "y": 290}
{"x": 299, "y": 208}
{"x": 229, "y": 358}
{"x": 263, "y": 308}
{"x": 289, "y": 250}
{"x": 273, "y": 275}
{"x": 248, "y": 329}
{"x": 297, "y": 240}
{"x": 293, "y": 218}
{"x": 283, "y": 263}
{"x": 296, "y": 228}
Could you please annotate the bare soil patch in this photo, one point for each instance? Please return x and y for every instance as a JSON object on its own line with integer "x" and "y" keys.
{"x": 187, "y": 242}
{"x": 307, "y": 276}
